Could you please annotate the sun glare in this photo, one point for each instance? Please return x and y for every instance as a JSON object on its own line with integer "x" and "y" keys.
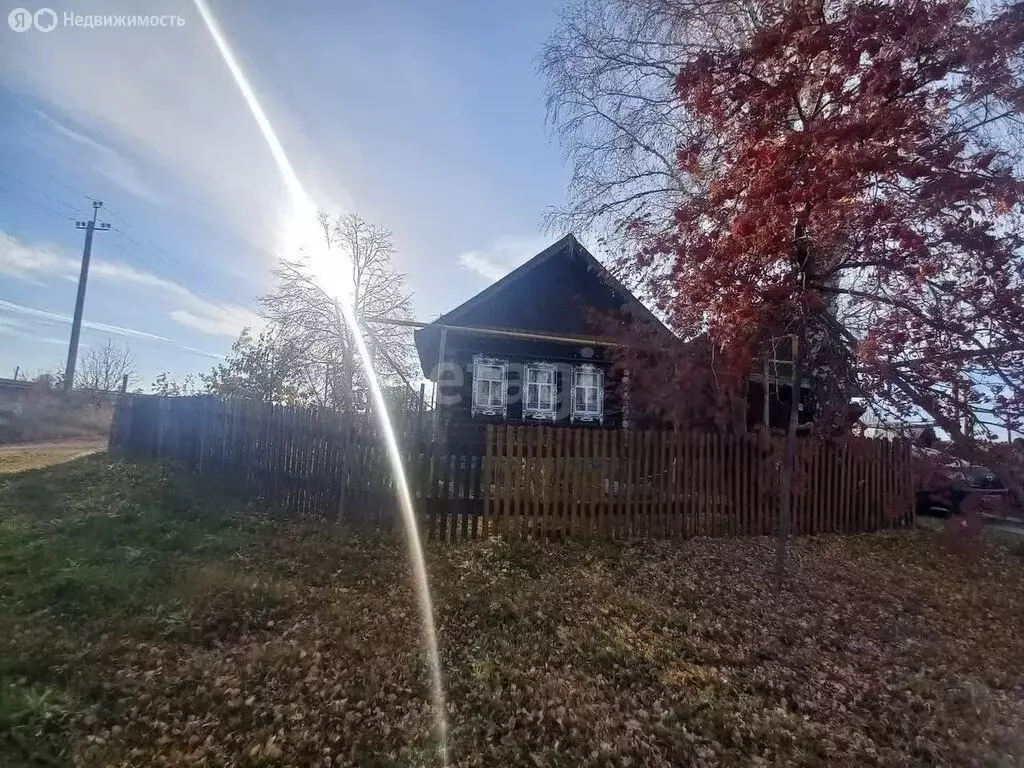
{"x": 301, "y": 238}
{"x": 329, "y": 266}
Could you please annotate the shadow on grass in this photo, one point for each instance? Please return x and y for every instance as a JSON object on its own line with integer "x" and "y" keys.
{"x": 97, "y": 550}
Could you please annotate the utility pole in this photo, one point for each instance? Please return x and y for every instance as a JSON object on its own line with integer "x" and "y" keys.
{"x": 83, "y": 278}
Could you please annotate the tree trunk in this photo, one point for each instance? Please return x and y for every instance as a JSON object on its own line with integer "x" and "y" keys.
{"x": 345, "y": 378}
{"x": 788, "y": 462}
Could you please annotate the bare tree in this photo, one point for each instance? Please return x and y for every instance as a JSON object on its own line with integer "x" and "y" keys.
{"x": 308, "y": 317}
{"x": 103, "y": 369}
{"x": 611, "y": 67}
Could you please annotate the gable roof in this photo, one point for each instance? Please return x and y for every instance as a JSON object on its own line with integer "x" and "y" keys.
{"x": 567, "y": 248}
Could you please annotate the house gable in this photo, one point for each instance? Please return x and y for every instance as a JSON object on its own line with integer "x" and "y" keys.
{"x": 553, "y": 293}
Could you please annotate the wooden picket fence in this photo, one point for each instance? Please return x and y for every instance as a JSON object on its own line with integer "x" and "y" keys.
{"x": 585, "y": 483}
{"x": 519, "y": 481}
{"x": 311, "y": 462}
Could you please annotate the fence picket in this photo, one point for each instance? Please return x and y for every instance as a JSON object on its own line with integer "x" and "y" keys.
{"x": 537, "y": 481}
{"x": 505, "y": 513}
{"x": 876, "y": 466}
{"x": 668, "y": 520}
{"x": 743, "y": 448}
{"x": 798, "y": 519}
{"x": 703, "y": 484}
{"x": 821, "y": 499}
{"x": 559, "y": 479}
{"x": 658, "y": 486}
{"x": 685, "y": 485}
{"x": 611, "y": 484}
{"x": 599, "y": 474}
{"x": 811, "y": 506}
{"x": 586, "y": 483}
{"x": 675, "y": 479}
{"x": 719, "y": 479}
{"x": 710, "y": 476}
{"x": 549, "y": 434}
{"x": 522, "y": 481}
{"x": 515, "y": 473}
{"x": 487, "y": 480}
{"x": 529, "y": 482}
{"x": 731, "y": 489}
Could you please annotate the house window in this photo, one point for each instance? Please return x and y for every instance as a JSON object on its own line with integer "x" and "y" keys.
{"x": 489, "y": 386}
{"x": 777, "y": 360}
{"x": 587, "y": 393}
{"x": 540, "y": 391}
{"x": 779, "y": 369}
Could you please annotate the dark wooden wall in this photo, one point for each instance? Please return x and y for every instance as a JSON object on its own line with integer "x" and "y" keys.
{"x": 457, "y": 384}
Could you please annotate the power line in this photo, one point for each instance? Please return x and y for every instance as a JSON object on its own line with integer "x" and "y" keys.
{"x": 152, "y": 248}
{"x": 111, "y": 213}
{"x": 36, "y": 203}
{"x": 156, "y": 254}
{"x": 44, "y": 193}
{"x": 55, "y": 180}
{"x": 50, "y": 209}
{"x": 151, "y": 245}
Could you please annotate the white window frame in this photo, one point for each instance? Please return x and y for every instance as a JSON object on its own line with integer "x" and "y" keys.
{"x": 544, "y": 414}
{"x": 776, "y": 369}
{"x": 585, "y": 414}
{"x": 488, "y": 408}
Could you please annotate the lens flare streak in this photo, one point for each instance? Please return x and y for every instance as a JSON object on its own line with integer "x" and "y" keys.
{"x": 307, "y": 211}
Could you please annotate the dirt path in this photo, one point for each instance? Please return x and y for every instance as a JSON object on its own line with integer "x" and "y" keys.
{"x": 18, "y": 457}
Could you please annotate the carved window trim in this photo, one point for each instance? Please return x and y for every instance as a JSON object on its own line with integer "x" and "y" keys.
{"x": 538, "y": 412}
{"x": 587, "y": 414}
{"x": 489, "y": 408}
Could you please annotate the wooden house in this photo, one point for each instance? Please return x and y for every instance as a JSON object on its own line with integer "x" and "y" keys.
{"x": 526, "y": 350}
{"x": 523, "y": 350}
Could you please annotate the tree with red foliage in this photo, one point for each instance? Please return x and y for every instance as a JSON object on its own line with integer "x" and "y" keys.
{"x": 845, "y": 173}
{"x": 853, "y": 179}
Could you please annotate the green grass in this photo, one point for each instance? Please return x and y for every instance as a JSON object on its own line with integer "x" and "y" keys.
{"x": 147, "y": 619}
{"x": 95, "y": 552}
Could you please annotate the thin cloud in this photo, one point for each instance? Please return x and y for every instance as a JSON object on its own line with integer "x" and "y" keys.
{"x": 103, "y": 159}
{"x": 56, "y": 317}
{"x": 45, "y": 316}
{"x": 211, "y": 317}
{"x": 9, "y": 327}
{"x": 496, "y": 261}
{"x": 475, "y": 261}
{"x": 29, "y": 262}
{"x": 158, "y": 109}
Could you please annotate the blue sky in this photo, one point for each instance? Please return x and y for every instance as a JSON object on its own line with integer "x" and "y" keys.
{"x": 427, "y": 118}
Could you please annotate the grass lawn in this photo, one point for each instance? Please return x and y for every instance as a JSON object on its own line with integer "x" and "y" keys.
{"x": 145, "y": 620}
